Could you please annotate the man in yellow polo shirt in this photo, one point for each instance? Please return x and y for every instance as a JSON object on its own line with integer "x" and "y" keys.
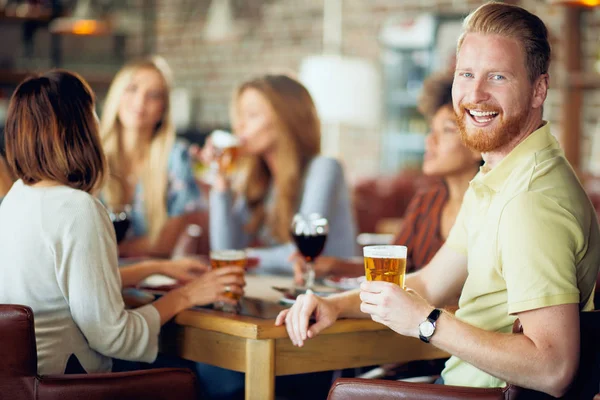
{"x": 525, "y": 243}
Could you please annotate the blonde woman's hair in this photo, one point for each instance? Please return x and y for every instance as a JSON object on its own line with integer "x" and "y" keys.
{"x": 154, "y": 173}
{"x": 514, "y": 22}
{"x": 298, "y": 141}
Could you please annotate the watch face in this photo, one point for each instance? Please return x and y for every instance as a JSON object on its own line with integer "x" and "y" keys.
{"x": 426, "y": 328}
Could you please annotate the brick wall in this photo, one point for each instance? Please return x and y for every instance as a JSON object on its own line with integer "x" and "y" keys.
{"x": 280, "y": 33}
{"x": 84, "y": 54}
{"x": 276, "y": 36}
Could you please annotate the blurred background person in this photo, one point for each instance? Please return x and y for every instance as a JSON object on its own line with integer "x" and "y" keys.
{"x": 58, "y": 244}
{"x": 149, "y": 169}
{"x": 432, "y": 211}
{"x": 282, "y": 174}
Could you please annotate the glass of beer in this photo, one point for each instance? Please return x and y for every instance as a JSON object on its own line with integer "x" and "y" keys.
{"x": 225, "y": 258}
{"x": 385, "y": 263}
{"x": 227, "y": 148}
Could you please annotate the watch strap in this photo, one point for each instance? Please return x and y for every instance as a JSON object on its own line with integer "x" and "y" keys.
{"x": 434, "y": 315}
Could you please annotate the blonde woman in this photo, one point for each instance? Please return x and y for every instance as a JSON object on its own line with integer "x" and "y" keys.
{"x": 149, "y": 170}
{"x": 283, "y": 174}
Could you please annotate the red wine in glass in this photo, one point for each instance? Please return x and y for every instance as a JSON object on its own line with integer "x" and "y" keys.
{"x": 121, "y": 219}
{"x": 310, "y": 234}
{"x": 121, "y": 228}
{"x": 310, "y": 246}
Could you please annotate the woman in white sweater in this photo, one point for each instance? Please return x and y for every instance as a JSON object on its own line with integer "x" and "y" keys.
{"x": 57, "y": 242}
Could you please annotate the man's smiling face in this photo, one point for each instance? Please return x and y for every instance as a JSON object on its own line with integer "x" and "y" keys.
{"x": 492, "y": 94}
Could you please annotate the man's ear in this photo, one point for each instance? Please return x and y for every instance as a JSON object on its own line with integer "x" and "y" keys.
{"x": 540, "y": 91}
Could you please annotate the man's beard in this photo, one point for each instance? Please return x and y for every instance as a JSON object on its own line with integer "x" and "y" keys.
{"x": 482, "y": 139}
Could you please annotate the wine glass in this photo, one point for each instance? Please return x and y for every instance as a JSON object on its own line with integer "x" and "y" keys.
{"x": 120, "y": 215}
{"x": 310, "y": 234}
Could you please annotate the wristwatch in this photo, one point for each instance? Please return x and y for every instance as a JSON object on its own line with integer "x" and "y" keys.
{"x": 427, "y": 327}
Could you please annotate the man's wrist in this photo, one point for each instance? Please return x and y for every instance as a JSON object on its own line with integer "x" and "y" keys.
{"x": 427, "y": 327}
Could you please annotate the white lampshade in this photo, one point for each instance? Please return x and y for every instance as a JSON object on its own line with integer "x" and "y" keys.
{"x": 181, "y": 109}
{"x": 345, "y": 90}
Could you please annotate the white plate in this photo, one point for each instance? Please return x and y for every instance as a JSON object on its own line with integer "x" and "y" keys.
{"x": 157, "y": 281}
{"x": 343, "y": 283}
{"x": 285, "y": 300}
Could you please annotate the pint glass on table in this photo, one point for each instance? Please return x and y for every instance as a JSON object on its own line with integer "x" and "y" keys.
{"x": 224, "y": 258}
{"x": 385, "y": 263}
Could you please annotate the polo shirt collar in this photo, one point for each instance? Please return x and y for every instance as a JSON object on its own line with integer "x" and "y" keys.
{"x": 498, "y": 176}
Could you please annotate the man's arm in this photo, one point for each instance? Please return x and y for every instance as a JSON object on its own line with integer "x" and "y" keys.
{"x": 545, "y": 357}
{"x": 441, "y": 281}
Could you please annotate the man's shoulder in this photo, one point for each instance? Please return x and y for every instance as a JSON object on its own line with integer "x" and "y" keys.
{"x": 554, "y": 178}
{"x": 547, "y": 178}
{"x": 548, "y": 212}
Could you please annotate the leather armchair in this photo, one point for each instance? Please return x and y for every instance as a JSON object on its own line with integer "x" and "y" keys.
{"x": 371, "y": 389}
{"x": 585, "y": 386}
{"x": 19, "y": 379}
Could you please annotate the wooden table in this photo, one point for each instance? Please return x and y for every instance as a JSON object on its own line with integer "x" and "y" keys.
{"x": 262, "y": 350}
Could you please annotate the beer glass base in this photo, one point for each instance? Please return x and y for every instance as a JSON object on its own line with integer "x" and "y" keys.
{"x": 225, "y": 307}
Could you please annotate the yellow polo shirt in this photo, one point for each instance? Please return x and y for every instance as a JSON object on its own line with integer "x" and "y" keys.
{"x": 532, "y": 240}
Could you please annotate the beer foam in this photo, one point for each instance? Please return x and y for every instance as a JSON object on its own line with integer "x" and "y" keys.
{"x": 227, "y": 255}
{"x": 387, "y": 251}
{"x": 224, "y": 139}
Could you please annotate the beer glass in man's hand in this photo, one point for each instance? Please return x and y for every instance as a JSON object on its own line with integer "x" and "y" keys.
{"x": 385, "y": 263}
{"x": 310, "y": 233}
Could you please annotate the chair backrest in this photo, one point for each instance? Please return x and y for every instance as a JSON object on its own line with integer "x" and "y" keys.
{"x": 587, "y": 381}
{"x": 18, "y": 356}
{"x": 153, "y": 384}
{"x": 376, "y": 389}
{"x": 19, "y": 379}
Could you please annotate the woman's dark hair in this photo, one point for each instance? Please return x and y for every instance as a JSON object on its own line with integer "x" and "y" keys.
{"x": 52, "y": 132}
{"x": 436, "y": 93}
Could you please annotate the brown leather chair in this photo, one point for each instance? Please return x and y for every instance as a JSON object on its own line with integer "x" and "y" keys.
{"x": 19, "y": 379}
{"x": 585, "y": 386}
